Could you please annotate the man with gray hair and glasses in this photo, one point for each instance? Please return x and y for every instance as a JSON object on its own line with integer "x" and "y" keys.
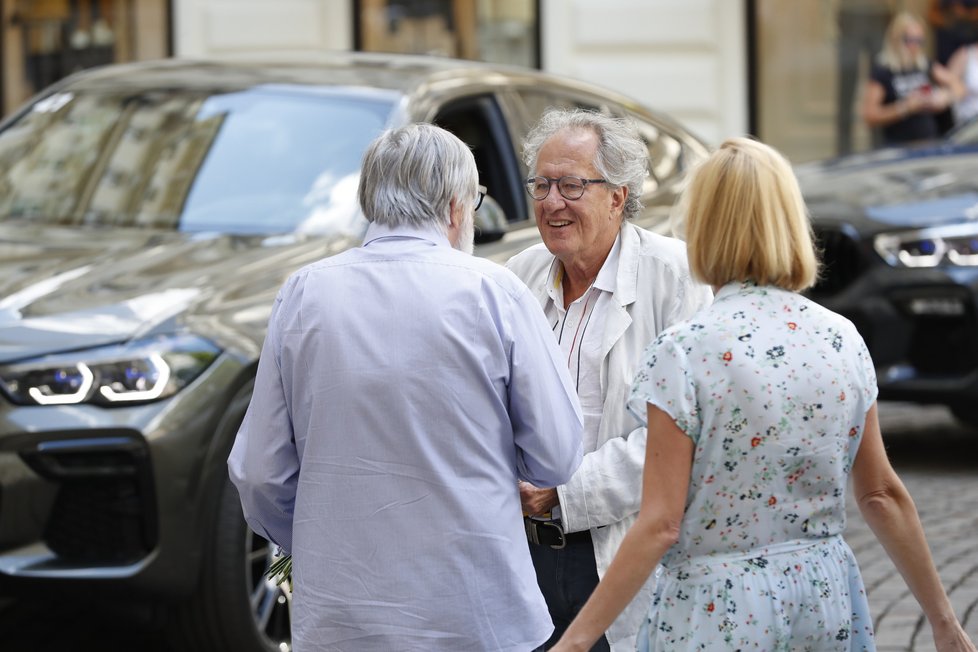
{"x": 608, "y": 288}
{"x": 403, "y": 388}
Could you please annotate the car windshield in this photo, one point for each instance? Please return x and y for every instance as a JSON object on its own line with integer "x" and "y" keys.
{"x": 258, "y": 161}
{"x": 966, "y": 134}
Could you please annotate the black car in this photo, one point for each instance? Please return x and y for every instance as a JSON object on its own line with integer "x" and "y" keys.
{"x": 148, "y": 215}
{"x": 899, "y": 232}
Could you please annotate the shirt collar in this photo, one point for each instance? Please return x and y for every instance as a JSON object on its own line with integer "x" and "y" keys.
{"x": 734, "y": 288}
{"x": 607, "y": 278}
{"x": 431, "y": 231}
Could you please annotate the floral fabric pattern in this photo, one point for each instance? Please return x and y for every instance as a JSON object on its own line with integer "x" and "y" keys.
{"x": 773, "y": 389}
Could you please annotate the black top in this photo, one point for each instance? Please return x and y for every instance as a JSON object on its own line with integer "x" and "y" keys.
{"x": 898, "y": 84}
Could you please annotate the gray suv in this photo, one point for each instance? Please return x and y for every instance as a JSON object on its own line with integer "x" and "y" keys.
{"x": 148, "y": 215}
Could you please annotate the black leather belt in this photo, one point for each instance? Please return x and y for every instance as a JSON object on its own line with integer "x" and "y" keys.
{"x": 550, "y": 533}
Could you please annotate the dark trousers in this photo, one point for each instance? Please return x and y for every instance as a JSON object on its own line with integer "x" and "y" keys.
{"x": 566, "y": 578}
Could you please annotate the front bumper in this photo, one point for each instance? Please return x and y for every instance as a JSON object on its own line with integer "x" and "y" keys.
{"x": 111, "y": 500}
{"x": 921, "y": 328}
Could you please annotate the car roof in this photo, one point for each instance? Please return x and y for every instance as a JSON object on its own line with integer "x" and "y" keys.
{"x": 402, "y": 73}
{"x": 408, "y": 75}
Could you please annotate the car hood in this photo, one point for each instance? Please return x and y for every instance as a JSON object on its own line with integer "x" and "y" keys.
{"x": 66, "y": 288}
{"x": 894, "y": 189}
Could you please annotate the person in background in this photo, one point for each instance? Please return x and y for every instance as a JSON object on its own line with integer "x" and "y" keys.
{"x": 954, "y": 24}
{"x": 964, "y": 66}
{"x": 759, "y": 409}
{"x": 906, "y": 90}
{"x": 404, "y": 388}
{"x": 608, "y": 287}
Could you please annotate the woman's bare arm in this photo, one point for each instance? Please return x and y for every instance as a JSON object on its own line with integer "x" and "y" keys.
{"x": 665, "y": 483}
{"x": 890, "y": 512}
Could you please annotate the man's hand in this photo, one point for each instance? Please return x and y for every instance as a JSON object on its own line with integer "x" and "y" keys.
{"x": 537, "y": 501}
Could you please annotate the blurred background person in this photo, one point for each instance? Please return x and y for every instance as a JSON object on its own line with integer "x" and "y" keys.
{"x": 906, "y": 90}
{"x": 758, "y": 410}
{"x": 964, "y": 66}
{"x": 954, "y": 24}
{"x": 403, "y": 389}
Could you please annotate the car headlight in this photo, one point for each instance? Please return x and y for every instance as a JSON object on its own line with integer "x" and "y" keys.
{"x": 141, "y": 371}
{"x": 955, "y": 244}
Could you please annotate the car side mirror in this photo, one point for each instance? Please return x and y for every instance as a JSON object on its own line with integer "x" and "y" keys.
{"x": 490, "y": 221}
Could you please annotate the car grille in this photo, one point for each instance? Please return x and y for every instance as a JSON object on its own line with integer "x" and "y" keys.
{"x": 842, "y": 261}
{"x": 925, "y": 328}
{"x": 940, "y": 343}
{"x": 104, "y": 507}
{"x": 944, "y": 348}
{"x": 98, "y": 520}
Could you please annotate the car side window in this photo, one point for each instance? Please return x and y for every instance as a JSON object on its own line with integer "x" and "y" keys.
{"x": 536, "y": 102}
{"x": 665, "y": 156}
{"x": 479, "y": 122}
{"x": 665, "y": 151}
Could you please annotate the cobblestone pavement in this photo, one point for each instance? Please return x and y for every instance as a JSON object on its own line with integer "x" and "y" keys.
{"x": 938, "y": 461}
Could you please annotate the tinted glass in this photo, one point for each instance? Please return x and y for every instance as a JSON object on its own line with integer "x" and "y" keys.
{"x": 966, "y": 134}
{"x": 266, "y": 160}
{"x": 536, "y": 102}
{"x": 665, "y": 157}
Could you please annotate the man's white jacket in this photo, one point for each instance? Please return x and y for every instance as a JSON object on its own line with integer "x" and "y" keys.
{"x": 654, "y": 290}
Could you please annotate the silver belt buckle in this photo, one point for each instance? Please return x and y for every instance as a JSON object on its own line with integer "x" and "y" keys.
{"x": 532, "y": 532}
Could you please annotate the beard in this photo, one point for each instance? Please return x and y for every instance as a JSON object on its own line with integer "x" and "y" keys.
{"x": 466, "y": 236}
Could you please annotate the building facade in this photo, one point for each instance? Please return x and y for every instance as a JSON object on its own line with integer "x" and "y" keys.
{"x": 686, "y": 57}
{"x": 788, "y": 71}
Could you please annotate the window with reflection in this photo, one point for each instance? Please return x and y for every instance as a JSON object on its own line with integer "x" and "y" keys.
{"x": 259, "y": 161}
{"x": 499, "y": 31}
{"x": 665, "y": 156}
{"x": 812, "y": 63}
{"x": 46, "y": 40}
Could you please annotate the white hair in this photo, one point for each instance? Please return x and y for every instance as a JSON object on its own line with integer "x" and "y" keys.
{"x": 622, "y": 158}
{"x": 409, "y": 175}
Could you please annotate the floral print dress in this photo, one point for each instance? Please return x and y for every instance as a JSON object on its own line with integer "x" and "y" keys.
{"x": 773, "y": 389}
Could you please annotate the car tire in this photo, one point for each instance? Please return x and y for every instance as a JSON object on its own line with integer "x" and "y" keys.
{"x": 235, "y": 608}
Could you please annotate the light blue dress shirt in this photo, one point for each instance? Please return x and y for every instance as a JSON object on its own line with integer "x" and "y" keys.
{"x": 403, "y": 389}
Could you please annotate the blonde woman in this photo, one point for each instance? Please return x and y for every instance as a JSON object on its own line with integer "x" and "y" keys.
{"x": 906, "y": 90}
{"x": 759, "y": 408}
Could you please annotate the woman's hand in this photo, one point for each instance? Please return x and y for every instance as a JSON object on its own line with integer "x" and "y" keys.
{"x": 937, "y": 100}
{"x": 951, "y": 637}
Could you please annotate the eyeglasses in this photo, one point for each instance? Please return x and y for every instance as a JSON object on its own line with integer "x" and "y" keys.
{"x": 913, "y": 40}
{"x": 481, "y": 190}
{"x": 568, "y": 187}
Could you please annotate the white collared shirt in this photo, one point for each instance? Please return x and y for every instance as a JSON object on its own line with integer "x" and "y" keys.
{"x": 579, "y": 331}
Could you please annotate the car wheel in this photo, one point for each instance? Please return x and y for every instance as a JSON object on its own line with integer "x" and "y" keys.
{"x": 236, "y": 608}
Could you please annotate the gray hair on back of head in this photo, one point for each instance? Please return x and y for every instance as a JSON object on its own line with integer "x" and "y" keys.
{"x": 409, "y": 175}
{"x": 622, "y": 157}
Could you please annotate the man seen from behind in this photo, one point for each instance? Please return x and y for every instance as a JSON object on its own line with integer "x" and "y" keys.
{"x": 403, "y": 389}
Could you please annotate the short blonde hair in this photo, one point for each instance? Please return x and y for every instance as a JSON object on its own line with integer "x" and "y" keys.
{"x": 746, "y": 219}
